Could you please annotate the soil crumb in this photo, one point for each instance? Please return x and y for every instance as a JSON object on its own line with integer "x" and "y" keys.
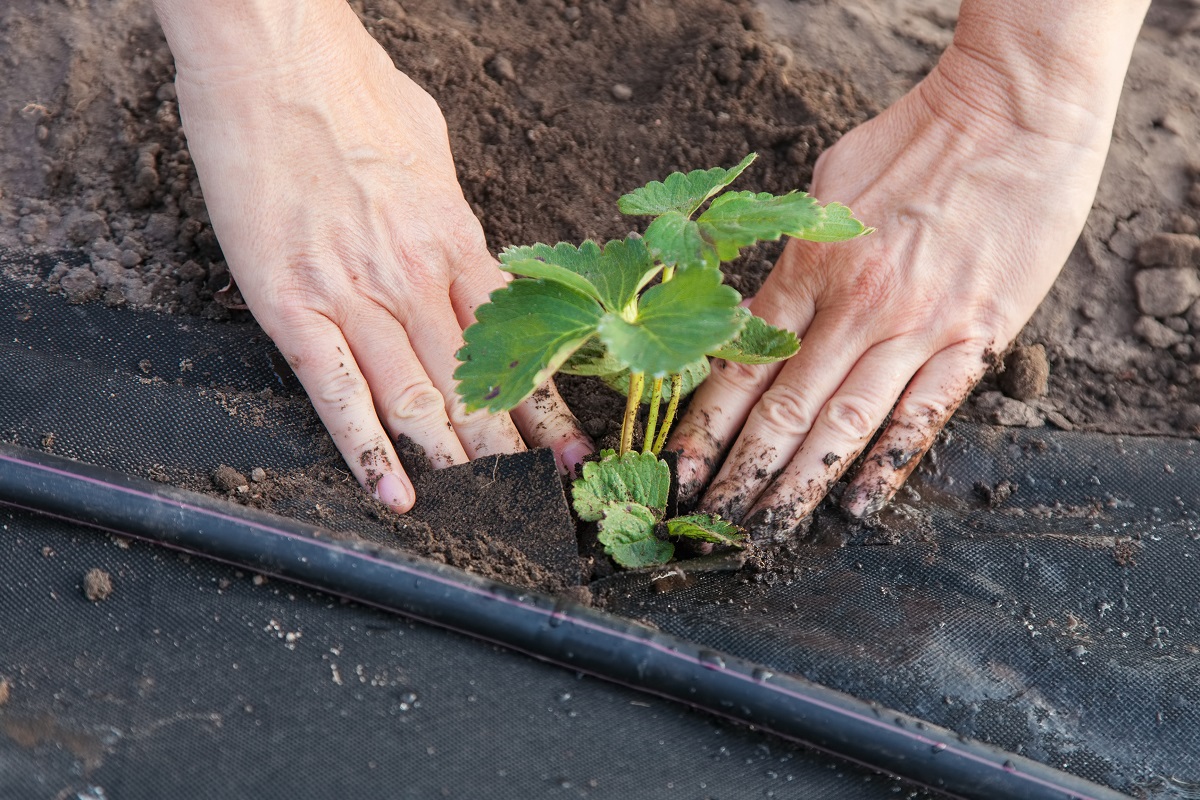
{"x": 97, "y": 585}
{"x": 229, "y": 479}
{"x": 5, "y": 691}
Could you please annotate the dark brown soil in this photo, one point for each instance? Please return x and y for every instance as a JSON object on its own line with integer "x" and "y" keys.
{"x": 502, "y": 518}
{"x": 555, "y": 109}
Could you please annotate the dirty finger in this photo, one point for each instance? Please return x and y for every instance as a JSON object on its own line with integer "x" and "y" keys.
{"x": 406, "y": 400}
{"x": 841, "y": 429}
{"x": 934, "y": 394}
{"x": 784, "y": 416}
{"x": 324, "y": 363}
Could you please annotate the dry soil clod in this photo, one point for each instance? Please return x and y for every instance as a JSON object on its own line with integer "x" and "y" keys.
{"x": 97, "y": 585}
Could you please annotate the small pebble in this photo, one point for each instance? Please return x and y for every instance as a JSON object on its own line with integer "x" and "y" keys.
{"x": 1166, "y": 291}
{"x": 258, "y": 474}
{"x": 502, "y": 69}
{"x": 1178, "y": 250}
{"x": 97, "y": 585}
{"x": 571, "y": 13}
{"x": 622, "y": 92}
{"x": 1155, "y": 334}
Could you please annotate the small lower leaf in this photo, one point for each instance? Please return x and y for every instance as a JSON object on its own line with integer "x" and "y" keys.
{"x": 650, "y": 552}
{"x": 627, "y": 533}
{"x": 640, "y": 478}
{"x": 707, "y": 528}
{"x": 625, "y": 523}
{"x": 758, "y": 343}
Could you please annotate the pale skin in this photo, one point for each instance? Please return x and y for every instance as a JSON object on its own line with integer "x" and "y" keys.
{"x": 331, "y": 187}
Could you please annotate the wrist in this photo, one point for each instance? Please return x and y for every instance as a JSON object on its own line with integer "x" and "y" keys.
{"x": 1054, "y": 70}
{"x": 217, "y": 38}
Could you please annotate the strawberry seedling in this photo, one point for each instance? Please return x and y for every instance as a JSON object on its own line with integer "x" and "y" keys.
{"x": 590, "y": 310}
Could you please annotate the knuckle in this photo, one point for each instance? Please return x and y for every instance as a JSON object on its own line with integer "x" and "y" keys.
{"x": 784, "y": 408}
{"x": 416, "y": 401}
{"x": 923, "y": 410}
{"x": 742, "y": 377}
{"x": 850, "y": 417}
{"x": 340, "y": 387}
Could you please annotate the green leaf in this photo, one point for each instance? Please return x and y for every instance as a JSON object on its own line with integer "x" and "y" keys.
{"x": 738, "y": 219}
{"x": 758, "y": 343}
{"x": 624, "y": 523}
{"x": 633, "y": 478}
{"x": 593, "y": 358}
{"x": 678, "y": 322}
{"x": 627, "y": 533}
{"x": 650, "y": 552}
{"x": 532, "y": 268}
{"x": 519, "y": 339}
{"x": 675, "y": 240}
{"x": 681, "y": 192}
{"x": 615, "y": 273}
{"x": 693, "y": 375}
{"x": 707, "y": 528}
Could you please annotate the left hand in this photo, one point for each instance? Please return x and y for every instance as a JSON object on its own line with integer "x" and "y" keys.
{"x": 976, "y": 212}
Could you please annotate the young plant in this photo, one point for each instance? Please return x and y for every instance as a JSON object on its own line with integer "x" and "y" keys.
{"x": 587, "y": 311}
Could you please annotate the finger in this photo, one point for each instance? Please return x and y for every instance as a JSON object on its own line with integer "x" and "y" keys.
{"x": 722, "y": 404}
{"x": 938, "y": 389}
{"x": 322, "y": 360}
{"x": 784, "y": 415}
{"x": 841, "y": 430}
{"x": 543, "y": 419}
{"x": 717, "y": 412}
{"x": 436, "y": 338}
{"x": 406, "y": 400}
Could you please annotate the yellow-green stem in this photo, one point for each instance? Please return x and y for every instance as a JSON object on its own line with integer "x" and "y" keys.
{"x": 637, "y": 381}
{"x": 669, "y": 419}
{"x": 652, "y": 417}
{"x": 668, "y": 273}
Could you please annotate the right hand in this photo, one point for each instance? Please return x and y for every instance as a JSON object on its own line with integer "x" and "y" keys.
{"x": 329, "y": 180}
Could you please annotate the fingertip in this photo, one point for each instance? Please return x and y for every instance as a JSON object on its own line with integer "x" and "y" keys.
{"x": 861, "y": 502}
{"x": 395, "y": 492}
{"x": 571, "y": 456}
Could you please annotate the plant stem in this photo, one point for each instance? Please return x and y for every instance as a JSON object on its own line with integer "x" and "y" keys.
{"x": 652, "y": 416}
{"x": 637, "y": 381}
{"x": 672, "y": 407}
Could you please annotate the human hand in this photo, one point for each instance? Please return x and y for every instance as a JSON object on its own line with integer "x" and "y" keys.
{"x": 329, "y": 181}
{"x": 979, "y": 182}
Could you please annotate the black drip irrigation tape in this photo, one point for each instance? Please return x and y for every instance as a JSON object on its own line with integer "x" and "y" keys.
{"x": 556, "y": 631}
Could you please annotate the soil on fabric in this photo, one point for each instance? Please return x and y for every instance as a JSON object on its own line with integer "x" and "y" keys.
{"x": 505, "y": 521}
{"x": 547, "y": 101}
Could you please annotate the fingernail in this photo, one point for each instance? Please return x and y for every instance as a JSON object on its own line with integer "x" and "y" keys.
{"x": 572, "y": 457}
{"x": 394, "y": 492}
{"x": 861, "y": 503}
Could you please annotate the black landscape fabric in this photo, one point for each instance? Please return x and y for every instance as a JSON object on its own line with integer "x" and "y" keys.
{"x": 1034, "y": 590}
